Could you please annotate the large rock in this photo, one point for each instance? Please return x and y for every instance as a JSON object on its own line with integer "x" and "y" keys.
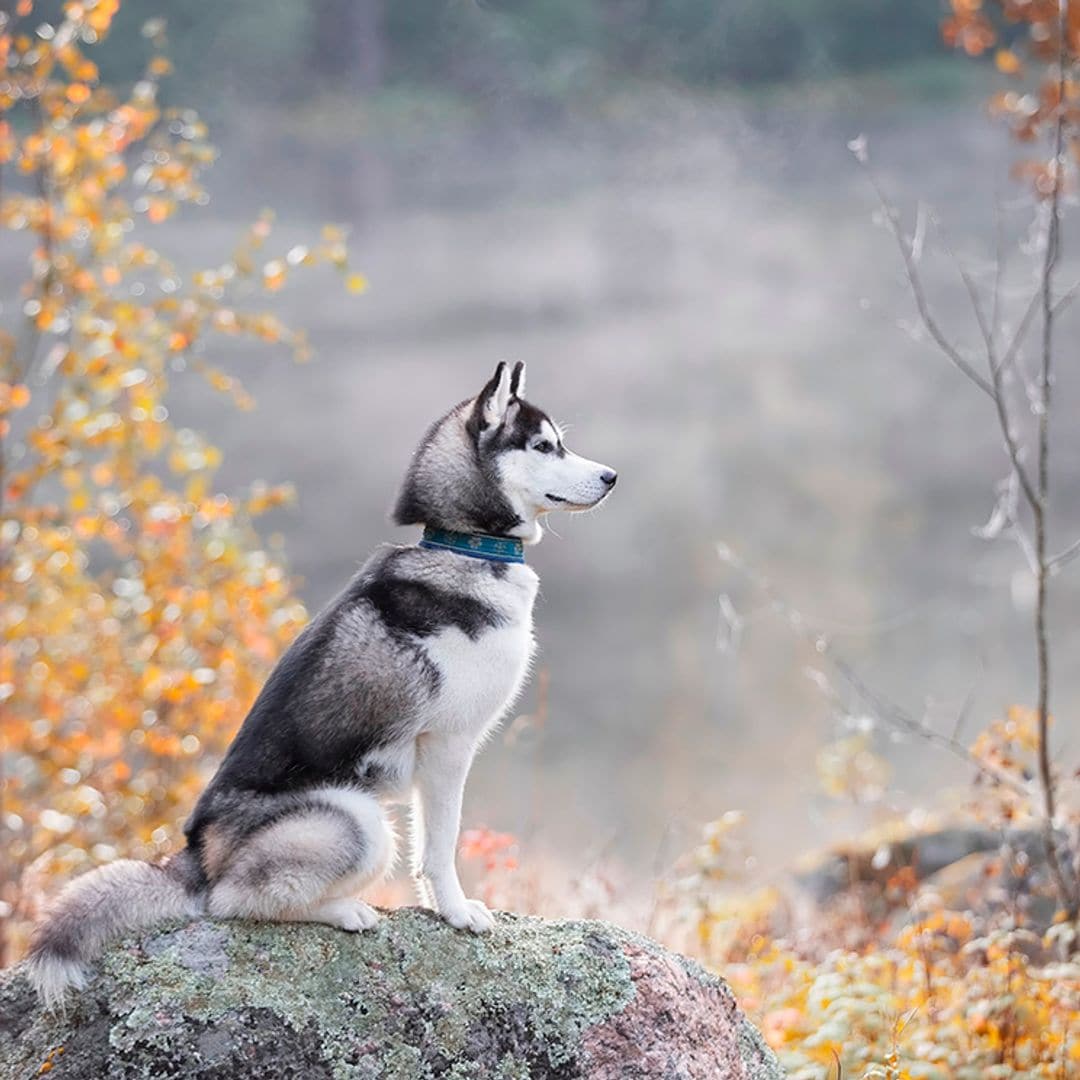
{"x": 410, "y": 1000}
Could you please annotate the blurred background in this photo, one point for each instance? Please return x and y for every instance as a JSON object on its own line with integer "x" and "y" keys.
{"x": 654, "y": 205}
{"x": 784, "y": 714}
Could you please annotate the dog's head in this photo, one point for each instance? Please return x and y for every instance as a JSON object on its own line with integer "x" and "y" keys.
{"x": 496, "y": 464}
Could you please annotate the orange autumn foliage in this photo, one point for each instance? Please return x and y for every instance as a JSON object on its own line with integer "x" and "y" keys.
{"x": 141, "y": 611}
{"x": 1042, "y": 33}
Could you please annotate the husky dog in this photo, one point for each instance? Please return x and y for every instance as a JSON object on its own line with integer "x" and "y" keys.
{"x": 385, "y": 695}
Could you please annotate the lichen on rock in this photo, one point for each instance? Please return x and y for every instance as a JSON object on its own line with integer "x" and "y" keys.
{"x": 412, "y": 999}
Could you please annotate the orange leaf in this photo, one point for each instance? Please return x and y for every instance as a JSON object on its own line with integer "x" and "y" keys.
{"x": 13, "y": 397}
{"x": 274, "y": 275}
{"x": 1008, "y": 62}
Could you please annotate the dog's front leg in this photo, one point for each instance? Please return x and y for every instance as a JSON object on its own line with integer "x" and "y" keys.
{"x": 442, "y": 765}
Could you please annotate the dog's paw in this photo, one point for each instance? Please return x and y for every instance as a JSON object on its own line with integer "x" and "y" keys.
{"x": 471, "y": 915}
{"x": 352, "y": 915}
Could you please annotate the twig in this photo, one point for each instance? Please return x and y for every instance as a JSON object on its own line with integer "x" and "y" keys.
{"x": 1066, "y": 298}
{"x": 986, "y": 327}
{"x": 997, "y": 370}
{"x": 1021, "y": 332}
{"x": 992, "y": 387}
{"x": 1063, "y": 558}
{"x": 929, "y": 321}
{"x": 887, "y": 711}
{"x": 899, "y": 717}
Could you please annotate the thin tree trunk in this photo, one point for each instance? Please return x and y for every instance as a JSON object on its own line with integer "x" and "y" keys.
{"x": 1064, "y": 887}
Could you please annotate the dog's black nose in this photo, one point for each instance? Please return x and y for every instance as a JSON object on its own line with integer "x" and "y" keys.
{"x": 609, "y": 476}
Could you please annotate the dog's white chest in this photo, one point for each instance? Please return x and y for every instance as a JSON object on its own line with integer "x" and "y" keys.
{"x": 478, "y": 678}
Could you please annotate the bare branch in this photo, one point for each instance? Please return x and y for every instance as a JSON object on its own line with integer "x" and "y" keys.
{"x": 918, "y": 238}
{"x": 996, "y": 369}
{"x": 1012, "y": 447}
{"x": 898, "y": 717}
{"x": 994, "y": 387}
{"x": 1004, "y": 513}
{"x": 1009, "y": 356}
{"x": 886, "y": 711}
{"x": 1066, "y": 298}
{"x": 985, "y": 326}
{"x": 911, "y": 269}
{"x": 1056, "y": 562}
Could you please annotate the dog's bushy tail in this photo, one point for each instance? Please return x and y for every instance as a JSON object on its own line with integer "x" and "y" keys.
{"x": 102, "y": 906}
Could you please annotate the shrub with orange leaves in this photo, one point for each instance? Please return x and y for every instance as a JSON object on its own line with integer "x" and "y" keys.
{"x": 938, "y": 1003}
{"x": 141, "y": 611}
{"x": 934, "y": 994}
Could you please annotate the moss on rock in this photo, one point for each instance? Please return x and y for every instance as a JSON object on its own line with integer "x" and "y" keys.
{"x": 409, "y": 1000}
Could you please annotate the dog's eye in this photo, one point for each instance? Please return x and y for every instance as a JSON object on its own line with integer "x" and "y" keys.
{"x": 543, "y": 447}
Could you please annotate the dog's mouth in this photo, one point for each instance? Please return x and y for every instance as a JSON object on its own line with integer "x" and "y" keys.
{"x": 570, "y": 504}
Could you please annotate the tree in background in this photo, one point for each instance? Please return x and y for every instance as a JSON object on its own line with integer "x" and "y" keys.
{"x": 491, "y": 53}
{"x": 1013, "y": 366}
{"x": 140, "y": 611}
{"x": 1016, "y": 377}
{"x": 348, "y": 44}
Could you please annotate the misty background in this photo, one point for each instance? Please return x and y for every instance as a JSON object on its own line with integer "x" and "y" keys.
{"x": 652, "y": 204}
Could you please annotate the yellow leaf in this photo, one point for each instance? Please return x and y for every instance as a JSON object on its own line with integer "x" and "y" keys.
{"x": 356, "y": 283}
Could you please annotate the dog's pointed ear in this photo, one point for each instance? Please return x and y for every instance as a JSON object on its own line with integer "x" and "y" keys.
{"x": 517, "y": 380}
{"x": 494, "y": 399}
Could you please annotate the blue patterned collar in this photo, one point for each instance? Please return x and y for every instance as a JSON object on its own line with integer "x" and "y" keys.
{"x": 502, "y": 549}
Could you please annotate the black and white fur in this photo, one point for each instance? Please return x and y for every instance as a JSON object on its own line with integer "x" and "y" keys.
{"x": 386, "y": 695}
